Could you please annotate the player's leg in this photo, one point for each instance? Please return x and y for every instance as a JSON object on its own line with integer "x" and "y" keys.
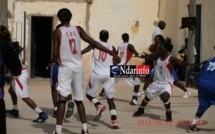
{"x": 14, "y": 112}
{"x": 54, "y": 100}
{"x": 151, "y": 92}
{"x": 136, "y": 83}
{"x": 109, "y": 85}
{"x": 60, "y": 113}
{"x": 165, "y": 97}
{"x": 2, "y": 117}
{"x": 21, "y": 87}
{"x": 205, "y": 98}
{"x": 64, "y": 89}
{"x": 180, "y": 85}
{"x": 54, "y": 73}
{"x": 102, "y": 93}
{"x": 94, "y": 82}
{"x": 165, "y": 90}
{"x": 77, "y": 92}
{"x": 148, "y": 81}
{"x": 42, "y": 115}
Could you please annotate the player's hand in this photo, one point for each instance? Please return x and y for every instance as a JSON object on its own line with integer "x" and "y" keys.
{"x": 116, "y": 59}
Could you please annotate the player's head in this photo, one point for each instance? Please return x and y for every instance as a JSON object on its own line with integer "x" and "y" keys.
{"x": 4, "y": 33}
{"x": 170, "y": 47}
{"x": 164, "y": 47}
{"x": 18, "y": 49}
{"x": 64, "y": 15}
{"x": 104, "y": 35}
{"x": 125, "y": 37}
{"x": 161, "y": 25}
{"x": 158, "y": 38}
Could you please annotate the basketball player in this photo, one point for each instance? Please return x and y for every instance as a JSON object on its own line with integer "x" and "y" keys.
{"x": 162, "y": 81}
{"x": 101, "y": 63}
{"x": 125, "y": 52}
{"x": 9, "y": 60}
{"x": 153, "y": 49}
{"x": 19, "y": 86}
{"x": 54, "y": 73}
{"x": 206, "y": 93}
{"x": 67, "y": 52}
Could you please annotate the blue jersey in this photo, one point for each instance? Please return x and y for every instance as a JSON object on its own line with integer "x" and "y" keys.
{"x": 206, "y": 87}
{"x": 209, "y": 72}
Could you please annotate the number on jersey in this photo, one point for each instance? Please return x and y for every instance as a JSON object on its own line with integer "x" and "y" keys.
{"x": 211, "y": 66}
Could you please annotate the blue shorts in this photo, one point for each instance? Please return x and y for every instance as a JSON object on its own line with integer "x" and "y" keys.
{"x": 54, "y": 74}
{"x": 206, "y": 95}
{"x": 174, "y": 74}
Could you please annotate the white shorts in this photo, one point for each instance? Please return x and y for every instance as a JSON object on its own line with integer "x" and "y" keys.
{"x": 131, "y": 81}
{"x": 96, "y": 80}
{"x": 156, "y": 89}
{"x": 70, "y": 82}
{"x": 20, "y": 84}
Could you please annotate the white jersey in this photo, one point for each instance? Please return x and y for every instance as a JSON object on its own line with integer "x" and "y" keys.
{"x": 101, "y": 60}
{"x": 124, "y": 54}
{"x": 69, "y": 48}
{"x": 163, "y": 71}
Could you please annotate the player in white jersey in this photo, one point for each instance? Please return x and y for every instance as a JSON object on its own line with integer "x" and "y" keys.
{"x": 101, "y": 63}
{"x": 19, "y": 86}
{"x": 125, "y": 51}
{"x": 53, "y": 81}
{"x": 67, "y": 52}
{"x": 162, "y": 82}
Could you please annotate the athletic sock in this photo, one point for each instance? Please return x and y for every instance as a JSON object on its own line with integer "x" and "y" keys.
{"x": 15, "y": 107}
{"x": 113, "y": 114}
{"x": 195, "y": 120}
{"x": 38, "y": 110}
{"x": 58, "y": 129}
{"x": 84, "y": 127}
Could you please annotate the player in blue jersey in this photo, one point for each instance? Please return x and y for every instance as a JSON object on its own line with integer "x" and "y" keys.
{"x": 206, "y": 93}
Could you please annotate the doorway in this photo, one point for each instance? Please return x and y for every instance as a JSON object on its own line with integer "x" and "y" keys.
{"x": 41, "y": 46}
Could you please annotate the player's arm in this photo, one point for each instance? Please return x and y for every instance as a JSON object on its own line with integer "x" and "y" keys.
{"x": 11, "y": 60}
{"x": 87, "y": 49}
{"x": 133, "y": 50}
{"x": 152, "y": 48}
{"x": 150, "y": 57}
{"x": 179, "y": 62}
{"x": 114, "y": 61}
{"x": 94, "y": 43}
{"x": 56, "y": 41}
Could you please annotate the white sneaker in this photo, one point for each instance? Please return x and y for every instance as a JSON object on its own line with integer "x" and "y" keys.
{"x": 134, "y": 102}
{"x": 186, "y": 94}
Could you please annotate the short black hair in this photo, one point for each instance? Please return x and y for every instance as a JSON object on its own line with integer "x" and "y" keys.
{"x": 17, "y": 47}
{"x": 103, "y": 35}
{"x": 161, "y": 24}
{"x": 64, "y": 15}
{"x": 125, "y": 37}
{"x": 161, "y": 38}
{"x": 167, "y": 45}
{"x": 5, "y": 33}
